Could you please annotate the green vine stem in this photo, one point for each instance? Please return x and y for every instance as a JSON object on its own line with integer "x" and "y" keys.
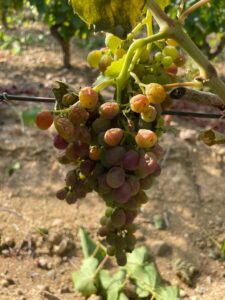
{"x": 173, "y": 29}
{"x": 140, "y": 43}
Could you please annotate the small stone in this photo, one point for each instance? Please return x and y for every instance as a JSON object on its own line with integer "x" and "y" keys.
{"x": 57, "y": 223}
{"x": 51, "y": 274}
{"x": 5, "y": 252}
{"x": 193, "y": 298}
{"x": 7, "y": 282}
{"x": 159, "y": 222}
{"x": 49, "y": 296}
{"x": 43, "y": 263}
{"x": 65, "y": 289}
{"x": 209, "y": 279}
{"x": 9, "y": 242}
{"x": 183, "y": 293}
{"x": 161, "y": 249}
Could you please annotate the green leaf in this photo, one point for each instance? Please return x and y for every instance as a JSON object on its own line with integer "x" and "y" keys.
{"x": 163, "y": 3}
{"x": 114, "y": 69}
{"x": 89, "y": 246}
{"x": 111, "y": 285}
{"x": 141, "y": 292}
{"x": 122, "y": 296}
{"x": 153, "y": 276}
{"x": 115, "y": 16}
{"x": 84, "y": 281}
{"x": 29, "y": 115}
{"x": 168, "y": 293}
{"x": 138, "y": 257}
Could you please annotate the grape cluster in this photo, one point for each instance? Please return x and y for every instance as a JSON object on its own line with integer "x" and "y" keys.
{"x": 118, "y": 162}
{"x": 112, "y": 146}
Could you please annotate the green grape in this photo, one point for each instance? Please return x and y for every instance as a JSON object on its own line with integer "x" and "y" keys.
{"x": 158, "y": 56}
{"x": 105, "y": 62}
{"x": 119, "y": 53}
{"x": 167, "y": 61}
{"x": 149, "y": 115}
{"x": 111, "y": 250}
{"x": 111, "y": 238}
{"x": 118, "y": 218}
{"x": 104, "y": 220}
{"x": 109, "y": 211}
{"x": 170, "y": 51}
{"x": 93, "y": 58}
{"x": 121, "y": 258}
{"x": 112, "y": 42}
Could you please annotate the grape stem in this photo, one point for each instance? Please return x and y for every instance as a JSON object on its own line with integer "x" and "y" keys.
{"x": 191, "y": 9}
{"x": 174, "y": 30}
{"x": 101, "y": 265}
{"x": 124, "y": 74}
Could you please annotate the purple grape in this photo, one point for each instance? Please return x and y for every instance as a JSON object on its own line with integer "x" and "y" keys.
{"x": 122, "y": 194}
{"x": 59, "y": 142}
{"x": 134, "y": 184}
{"x": 130, "y": 160}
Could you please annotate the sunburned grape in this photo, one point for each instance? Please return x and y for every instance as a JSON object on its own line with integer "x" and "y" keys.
{"x": 113, "y": 136}
{"x": 139, "y": 103}
{"x": 145, "y": 138}
{"x": 44, "y": 119}
{"x": 88, "y": 98}
{"x": 155, "y": 93}
{"x": 109, "y": 110}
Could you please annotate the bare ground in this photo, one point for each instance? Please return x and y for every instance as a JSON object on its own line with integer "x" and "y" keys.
{"x": 189, "y": 194}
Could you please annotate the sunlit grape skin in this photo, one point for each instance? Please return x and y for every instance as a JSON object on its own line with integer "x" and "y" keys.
{"x": 88, "y": 98}
{"x": 155, "y": 93}
{"x": 139, "y": 103}
{"x": 109, "y": 110}
{"x": 145, "y": 138}
{"x": 93, "y": 58}
{"x": 113, "y": 136}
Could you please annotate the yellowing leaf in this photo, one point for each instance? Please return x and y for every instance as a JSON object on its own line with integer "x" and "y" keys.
{"x": 115, "y": 16}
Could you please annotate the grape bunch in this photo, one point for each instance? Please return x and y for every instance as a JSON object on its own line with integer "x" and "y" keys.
{"x": 112, "y": 146}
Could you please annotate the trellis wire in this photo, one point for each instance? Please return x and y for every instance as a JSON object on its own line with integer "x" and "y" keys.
{"x": 7, "y": 97}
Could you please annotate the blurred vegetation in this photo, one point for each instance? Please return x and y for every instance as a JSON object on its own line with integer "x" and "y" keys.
{"x": 205, "y": 25}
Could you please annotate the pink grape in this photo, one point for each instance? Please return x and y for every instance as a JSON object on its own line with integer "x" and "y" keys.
{"x": 122, "y": 194}
{"x": 78, "y": 115}
{"x": 109, "y": 110}
{"x": 147, "y": 164}
{"x": 130, "y": 160}
{"x": 113, "y": 156}
{"x": 145, "y": 138}
{"x": 134, "y": 184}
{"x": 113, "y": 136}
{"x": 139, "y": 103}
{"x": 115, "y": 177}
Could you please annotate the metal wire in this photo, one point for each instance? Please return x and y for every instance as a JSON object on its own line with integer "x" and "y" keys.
{"x": 7, "y": 97}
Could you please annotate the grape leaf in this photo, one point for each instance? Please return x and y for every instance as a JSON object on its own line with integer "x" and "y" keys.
{"x": 84, "y": 280}
{"x": 168, "y": 293}
{"x": 115, "y": 16}
{"x": 89, "y": 246}
{"x": 111, "y": 285}
{"x": 114, "y": 69}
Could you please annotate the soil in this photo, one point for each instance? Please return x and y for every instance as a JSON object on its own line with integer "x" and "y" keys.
{"x": 189, "y": 195}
